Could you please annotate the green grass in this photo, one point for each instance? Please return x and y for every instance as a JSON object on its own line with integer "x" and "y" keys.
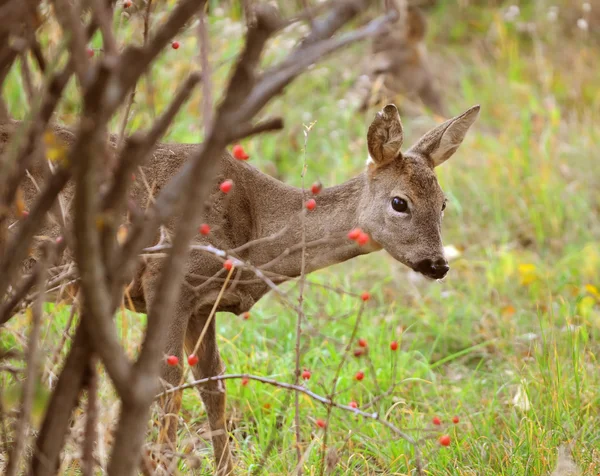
{"x": 518, "y": 315}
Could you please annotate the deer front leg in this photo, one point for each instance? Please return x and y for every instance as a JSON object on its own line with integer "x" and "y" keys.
{"x": 212, "y": 394}
{"x": 170, "y": 404}
{"x": 171, "y": 375}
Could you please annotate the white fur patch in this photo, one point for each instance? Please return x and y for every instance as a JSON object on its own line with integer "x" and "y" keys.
{"x": 370, "y": 160}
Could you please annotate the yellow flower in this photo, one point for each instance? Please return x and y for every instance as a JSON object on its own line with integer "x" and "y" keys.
{"x": 590, "y": 288}
{"x": 585, "y": 306}
{"x": 527, "y": 273}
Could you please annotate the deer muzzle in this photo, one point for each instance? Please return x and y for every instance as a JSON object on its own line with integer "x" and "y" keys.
{"x": 433, "y": 269}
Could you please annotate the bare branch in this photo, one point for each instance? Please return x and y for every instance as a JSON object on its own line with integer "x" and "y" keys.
{"x": 32, "y": 375}
{"x": 96, "y": 295}
{"x": 68, "y": 15}
{"x": 205, "y": 68}
{"x": 298, "y": 388}
{"x": 64, "y": 399}
{"x": 276, "y": 78}
{"x": 89, "y": 442}
{"x": 103, "y": 19}
{"x": 268, "y": 125}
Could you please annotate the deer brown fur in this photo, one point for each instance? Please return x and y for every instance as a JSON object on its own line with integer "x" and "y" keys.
{"x": 399, "y": 65}
{"x": 259, "y": 207}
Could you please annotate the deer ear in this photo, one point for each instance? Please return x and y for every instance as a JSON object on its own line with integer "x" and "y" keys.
{"x": 385, "y": 136}
{"x": 417, "y": 24}
{"x": 440, "y": 143}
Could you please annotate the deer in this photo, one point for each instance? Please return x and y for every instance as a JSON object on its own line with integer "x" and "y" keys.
{"x": 396, "y": 201}
{"x": 399, "y": 65}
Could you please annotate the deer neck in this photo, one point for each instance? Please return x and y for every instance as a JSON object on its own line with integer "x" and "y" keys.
{"x": 281, "y": 211}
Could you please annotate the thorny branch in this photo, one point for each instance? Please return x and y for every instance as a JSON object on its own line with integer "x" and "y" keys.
{"x": 319, "y": 398}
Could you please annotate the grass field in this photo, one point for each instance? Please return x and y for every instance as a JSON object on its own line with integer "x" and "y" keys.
{"x": 509, "y": 342}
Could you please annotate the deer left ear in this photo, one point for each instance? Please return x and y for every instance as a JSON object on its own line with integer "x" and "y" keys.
{"x": 440, "y": 143}
{"x": 385, "y": 136}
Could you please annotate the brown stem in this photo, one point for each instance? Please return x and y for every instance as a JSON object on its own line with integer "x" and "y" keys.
{"x": 90, "y": 435}
{"x": 64, "y": 399}
{"x": 31, "y": 378}
{"x": 205, "y": 68}
{"x": 300, "y": 314}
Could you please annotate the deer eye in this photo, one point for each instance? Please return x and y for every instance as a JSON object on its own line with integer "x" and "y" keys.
{"x": 444, "y": 205}
{"x": 399, "y": 204}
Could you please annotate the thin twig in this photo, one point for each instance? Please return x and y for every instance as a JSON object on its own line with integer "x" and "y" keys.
{"x": 205, "y": 68}
{"x": 149, "y": 82}
{"x": 299, "y": 389}
{"x": 335, "y": 382}
{"x": 90, "y": 434}
{"x": 300, "y": 313}
{"x": 31, "y": 379}
{"x": 65, "y": 335}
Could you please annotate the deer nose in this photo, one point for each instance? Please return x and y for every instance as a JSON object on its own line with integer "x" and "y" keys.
{"x": 434, "y": 269}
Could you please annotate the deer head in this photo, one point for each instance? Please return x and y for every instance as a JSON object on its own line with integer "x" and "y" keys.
{"x": 404, "y": 204}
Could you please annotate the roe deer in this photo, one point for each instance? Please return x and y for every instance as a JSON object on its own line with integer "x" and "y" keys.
{"x": 399, "y": 65}
{"x": 397, "y": 201}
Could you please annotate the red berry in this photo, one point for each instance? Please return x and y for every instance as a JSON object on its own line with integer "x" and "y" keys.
{"x": 239, "y": 152}
{"x": 321, "y": 423}
{"x": 172, "y": 360}
{"x": 316, "y": 188}
{"x": 394, "y": 345}
{"x": 358, "y": 352}
{"x": 353, "y": 404}
{"x": 306, "y": 374}
{"x": 437, "y": 421}
{"x": 359, "y": 375}
{"x": 192, "y": 359}
{"x": 90, "y": 52}
{"x": 365, "y": 296}
{"x": 362, "y": 239}
{"x": 204, "y": 229}
{"x": 126, "y": 3}
{"x": 362, "y": 342}
{"x": 245, "y": 381}
{"x": 24, "y": 213}
{"x": 455, "y": 420}
{"x": 445, "y": 440}
{"x": 175, "y": 45}
{"x": 133, "y": 177}
{"x": 245, "y": 315}
{"x": 311, "y": 204}
{"x": 267, "y": 406}
{"x": 354, "y": 233}
{"x": 226, "y": 186}
{"x": 59, "y": 240}
{"x": 228, "y": 264}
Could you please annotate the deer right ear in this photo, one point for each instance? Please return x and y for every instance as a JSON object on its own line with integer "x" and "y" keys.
{"x": 385, "y": 136}
{"x": 440, "y": 143}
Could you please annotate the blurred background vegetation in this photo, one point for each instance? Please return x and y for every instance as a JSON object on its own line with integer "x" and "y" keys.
{"x": 509, "y": 342}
